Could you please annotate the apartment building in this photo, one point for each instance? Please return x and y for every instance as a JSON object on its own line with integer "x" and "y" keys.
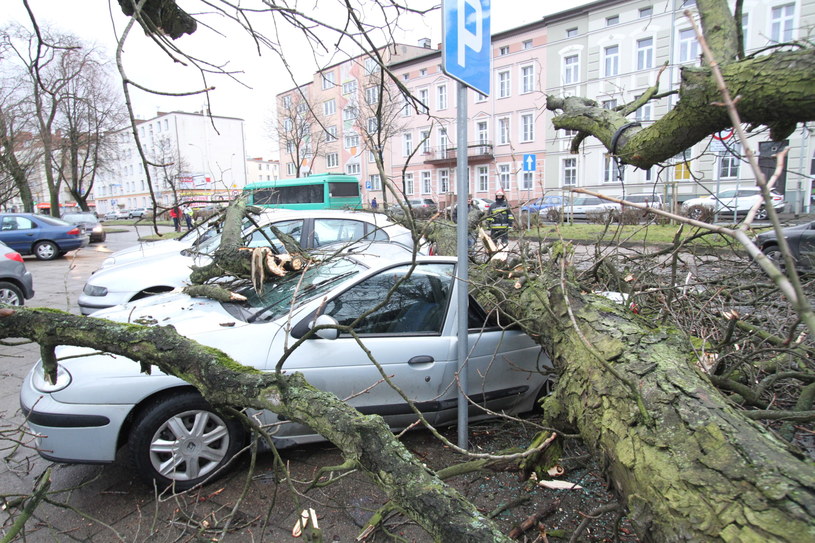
{"x": 610, "y": 51}
{"x": 260, "y": 169}
{"x": 197, "y": 158}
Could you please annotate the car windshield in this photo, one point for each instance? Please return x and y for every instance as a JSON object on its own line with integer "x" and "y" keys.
{"x": 298, "y": 288}
{"x": 79, "y": 217}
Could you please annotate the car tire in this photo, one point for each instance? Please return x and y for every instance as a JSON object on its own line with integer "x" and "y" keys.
{"x": 700, "y": 213}
{"x": 182, "y": 441}
{"x": 11, "y": 294}
{"x": 46, "y": 250}
{"x": 761, "y": 214}
{"x": 773, "y": 252}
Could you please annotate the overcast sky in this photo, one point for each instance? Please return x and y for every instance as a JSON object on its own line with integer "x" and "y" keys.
{"x": 99, "y": 21}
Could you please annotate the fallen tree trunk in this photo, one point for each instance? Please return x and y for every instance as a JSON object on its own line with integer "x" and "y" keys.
{"x": 365, "y": 440}
{"x": 690, "y": 466}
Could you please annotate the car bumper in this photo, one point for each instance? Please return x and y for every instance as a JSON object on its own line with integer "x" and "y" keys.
{"x": 75, "y": 433}
{"x": 89, "y": 304}
{"x": 27, "y": 282}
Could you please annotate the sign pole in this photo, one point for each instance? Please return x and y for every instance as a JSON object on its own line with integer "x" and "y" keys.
{"x": 463, "y": 189}
{"x": 467, "y": 58}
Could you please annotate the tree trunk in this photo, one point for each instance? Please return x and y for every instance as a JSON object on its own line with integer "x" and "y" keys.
{"x": 691, "y": 466}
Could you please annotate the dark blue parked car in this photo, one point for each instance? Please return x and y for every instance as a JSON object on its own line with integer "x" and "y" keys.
{"x": 43, "y": 236}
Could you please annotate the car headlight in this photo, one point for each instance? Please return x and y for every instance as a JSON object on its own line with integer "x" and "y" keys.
{"x": 93, "y": 290}
{"x": 97, "y": 229}
{"x": 43, "y": 385}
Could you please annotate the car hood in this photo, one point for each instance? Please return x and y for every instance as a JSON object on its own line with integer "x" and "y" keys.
{"x": 770, "y": 234}
{"x": 200, "y": 319}
{"x": 146, "y": 249}
{"x": 153, "y": 270}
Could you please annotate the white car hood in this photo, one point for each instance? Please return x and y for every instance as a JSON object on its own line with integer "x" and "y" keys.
{"x": 196, "y": 318}
{"x": 146, "y": 249}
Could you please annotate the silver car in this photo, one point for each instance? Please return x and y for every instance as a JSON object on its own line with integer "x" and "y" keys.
{"x": 144, "y": 271}
{"x": 16, "y": 283}
{"x": 174, "y": 436}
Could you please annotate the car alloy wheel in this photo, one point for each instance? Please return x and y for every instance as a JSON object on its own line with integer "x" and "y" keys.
{"x": 46, "y": 250}
{"x": 761, "y": 214}
{"x": 10, "y": 294}
{"x": 773, "y": 252}
{"x": 182, "y": 441}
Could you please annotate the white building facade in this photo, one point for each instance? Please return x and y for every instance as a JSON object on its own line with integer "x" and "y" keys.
{"x": 197, "y": 159}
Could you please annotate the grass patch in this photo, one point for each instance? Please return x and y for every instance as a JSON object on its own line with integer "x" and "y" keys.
{"x": 636, "y": 233}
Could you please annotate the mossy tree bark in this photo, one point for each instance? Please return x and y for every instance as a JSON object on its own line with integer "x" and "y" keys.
{"x": 365, "y": 441}
{"x": 690, "y": 466}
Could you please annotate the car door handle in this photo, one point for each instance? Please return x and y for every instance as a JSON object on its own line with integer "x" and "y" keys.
{"x": 421, "y": 359}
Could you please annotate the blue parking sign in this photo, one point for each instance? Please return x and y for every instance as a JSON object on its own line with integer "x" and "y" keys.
{"x": 467, "y": 49}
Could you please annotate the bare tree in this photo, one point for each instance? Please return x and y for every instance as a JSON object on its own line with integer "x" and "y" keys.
{"x": 301, "y": 130}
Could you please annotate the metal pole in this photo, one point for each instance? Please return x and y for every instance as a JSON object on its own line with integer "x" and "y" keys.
{"x": 462, "y": 185}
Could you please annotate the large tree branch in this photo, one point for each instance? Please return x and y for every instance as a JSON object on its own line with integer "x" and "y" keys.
{"x": 771, "y": 90}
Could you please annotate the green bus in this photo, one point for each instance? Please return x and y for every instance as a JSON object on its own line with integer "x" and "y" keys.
{"x": 324, "y": 191}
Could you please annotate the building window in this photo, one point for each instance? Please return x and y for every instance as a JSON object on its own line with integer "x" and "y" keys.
{"x": 527, "y": 127}
{"x": 527, "y": 180}
{"x": 408, "y": 183}
{"x": 349, "y": 113}
{"x": 331, "y": 134}
{"x": 503, "y": 50}
{"x": 286, "y": 104}
{"x": 328, "y": 80}
{"x": 644, "y": 112}
{"x": 646, "y": 12}
{"x": 504, "y": 176}
{"x": 406, "y": 107}
{"x": 688, "y": 46}
{"x": 353, "y": 168}
{"x": 571, "y": 32}
{"x": 425, "y": 135}
{"x": 571, "y": 69}
{"x": 371, "y": 66}
{"x": 610, "y": 104}
{"x": 482, "y": 131}
{"x": 527, "y": 44}
{"x": 407, "y": 141}
{"x": 480, "y": 97}
{"x": 729, "y": 163}
{"x": 424, "y": 98}
{"x": 682, "y": 165}
{"x": 332, "y": 160}
{"x": 426, "y": 187}
{"x": 351, "y": 140}
{"x": 290, "y": 169}
{"x": 371, "y": 95}
{"x": 645, "y": 53}
{"x": 444, "y": 181}
{"x": 568, "y": 174}
{"x": 376, "y": 181}
{"x": 441, "y": 97}
{"x": 612, "y": 173}
{"x": 373, "y": 125}
{"x": 371, "y": 157}
{"x": 612, "y": 60}
{"x": 423, "y": 71}
{"x": 503, "y": 84}
{"x": 349, "y": 87}
{"x": 527, "y": 79}
{"x": 613, "y": 20}
{"x": 483, "y": 178}
{"x": 329, "y": 107}
{"x": 444, "y": 141}
{"x": 503, "y": 131}
{"x": 745, "y": 31}
{"x": 781, "y": 19}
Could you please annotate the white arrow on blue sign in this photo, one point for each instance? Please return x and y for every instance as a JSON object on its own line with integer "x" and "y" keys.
{"x": 530, "y": 162}
{"x": 467, "y": 50}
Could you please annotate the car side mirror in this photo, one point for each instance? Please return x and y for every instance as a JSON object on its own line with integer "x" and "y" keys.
{"x": 325, "y": 333}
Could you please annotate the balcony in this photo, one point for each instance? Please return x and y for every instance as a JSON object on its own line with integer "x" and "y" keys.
{"x": 446, "y": 157}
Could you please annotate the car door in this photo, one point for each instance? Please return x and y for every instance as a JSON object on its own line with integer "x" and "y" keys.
{"x": 18, "y": 233}
{"x": 806, "y": 248}
{"x": 401, "y": 332}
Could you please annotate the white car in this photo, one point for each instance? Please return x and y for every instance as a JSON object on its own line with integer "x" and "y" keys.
{"x": 589, "y": 207}
{"x": 100, "y": 401}
{"x": 727, "y": 202}
{"x": 143, "y": 272}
